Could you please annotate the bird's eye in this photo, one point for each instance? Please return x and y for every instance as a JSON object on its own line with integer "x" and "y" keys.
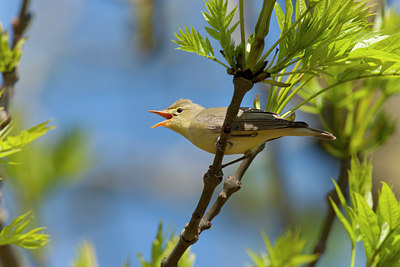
{"x": 179, "y": 110}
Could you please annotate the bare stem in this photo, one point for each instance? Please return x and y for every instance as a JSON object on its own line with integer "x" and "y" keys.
{"x": 212, "y": 178}
{"x": 330, "y": 216}
{"x": 231, "y": 185}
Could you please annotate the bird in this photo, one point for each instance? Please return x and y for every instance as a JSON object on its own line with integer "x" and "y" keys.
{"x": 250, "y": 129}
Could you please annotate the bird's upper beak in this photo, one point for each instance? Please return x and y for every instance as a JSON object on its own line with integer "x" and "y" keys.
{"x": 166, "y": 115}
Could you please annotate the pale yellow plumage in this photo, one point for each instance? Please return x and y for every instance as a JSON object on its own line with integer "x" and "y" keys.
{"x": 250, "y": 129}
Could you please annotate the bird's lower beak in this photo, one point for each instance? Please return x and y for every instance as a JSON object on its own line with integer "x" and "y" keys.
{"x": 166, "y": 115}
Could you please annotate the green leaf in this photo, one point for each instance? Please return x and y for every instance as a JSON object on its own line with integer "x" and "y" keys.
{"x": 368, "y": 223}
{"x": 389, "y": 207}
{"x": 192, "y": 41}
{"x": 256, "y": 103}
{"x": 9, "y": 58}
{"x": 273, "y": 82}
{"x": 161, "y": 248}
{"x": 14, "y": 233}
{"x": 341, "y": 197}
{"x": 280, "y": 16}
{"x": 15, "y": 143}
{"x": 287, "y": 251}
{"x": 44, "y": 166}
{"x": 86, "y": 256}
{"x": 349, "y": 229}
{"x": 360, "y": 179}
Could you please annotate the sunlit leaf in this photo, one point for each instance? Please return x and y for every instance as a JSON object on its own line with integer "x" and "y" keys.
{"x": 16, "y": 233}
{"x": 86, "y": 256}
{"x": 389, "y": 206}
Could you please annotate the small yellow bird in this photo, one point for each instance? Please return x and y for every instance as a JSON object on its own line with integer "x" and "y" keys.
{"x": 251, "y": 128}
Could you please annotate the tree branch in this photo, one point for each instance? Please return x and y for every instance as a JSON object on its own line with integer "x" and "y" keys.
{"x": 330, "y": 216}
{"x": 231, "y": 185}
{"x": 20, "y": 25}
{"x": 212, "y": 178}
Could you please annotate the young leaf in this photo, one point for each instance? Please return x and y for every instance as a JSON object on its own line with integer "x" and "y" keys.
{"x": 14, "y": 233}
{"x": 86, "y": 256}
{"x": 287, "y": 251}
{"x": 162, "y": 246}
{"x": 9, "y": 59}
{"x": 368, "y": 223}
{"x": 25, "y": 137}
{"x": 349, "y": 229}
{"x": 192, "y": 41}
{"x": 256, "y": 103}
{"x": 389, "y": 207}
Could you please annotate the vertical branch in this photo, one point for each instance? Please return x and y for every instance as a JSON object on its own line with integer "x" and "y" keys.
{"x": 330, "y": 216}
{"x": 212, "y": 178}
{"x": 9, "y": 256}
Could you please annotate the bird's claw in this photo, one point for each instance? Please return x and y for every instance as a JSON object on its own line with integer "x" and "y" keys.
{"x": 229, "y": 144}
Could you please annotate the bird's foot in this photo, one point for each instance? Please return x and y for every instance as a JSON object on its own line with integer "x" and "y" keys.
{"x": 229, "y": 144}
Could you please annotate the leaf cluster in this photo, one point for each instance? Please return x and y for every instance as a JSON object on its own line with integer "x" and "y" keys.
{"x": 162, "y": 246}
{"x": 374, "y": 56}
{"x": 327, "y": 37}
{"x": 9, "y": 57}
{"x": 287, "y": 251}
{"x": 16, "y": 234}
{"x": 353, "y": 113}
{"x": 344, "y": 53}
{"x": 322, "y": 33}
{"x": 378, "y": 230}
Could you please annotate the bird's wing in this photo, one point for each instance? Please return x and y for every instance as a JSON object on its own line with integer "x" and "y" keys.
{"x": 247, "y": 120}
{"x": 250, "y": 119}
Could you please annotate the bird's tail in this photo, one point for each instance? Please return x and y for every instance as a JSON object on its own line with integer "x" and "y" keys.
{"x": 324, "y": 135}
{"x": 300, "y": 128}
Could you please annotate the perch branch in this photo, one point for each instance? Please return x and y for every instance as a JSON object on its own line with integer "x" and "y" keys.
{"x": 231, "y": 185}
{"x": 212, "y": 178}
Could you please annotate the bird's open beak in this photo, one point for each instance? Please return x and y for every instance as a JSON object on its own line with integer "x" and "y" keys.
{"x": 166, "y": 115}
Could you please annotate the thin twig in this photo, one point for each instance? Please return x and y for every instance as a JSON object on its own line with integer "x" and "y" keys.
{"x": 212, "y": 178}
{"x": 231, "y": 185}
{"x": 330, "y": 216}
{"x": 19, "y": 24}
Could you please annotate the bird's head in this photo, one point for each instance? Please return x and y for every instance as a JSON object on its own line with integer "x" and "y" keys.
{"x": 178, "y": 115}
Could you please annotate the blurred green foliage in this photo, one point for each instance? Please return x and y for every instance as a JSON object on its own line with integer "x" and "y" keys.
{"x": 86, "y": 256}
{"x": 12, "y": 144}
{"x": 378, "y": 230}
{"x": 288, "y": 251}
{"x": 9, "y": 58}
{"x": 162, "y": 246}
{"x": 42, "y": 167}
